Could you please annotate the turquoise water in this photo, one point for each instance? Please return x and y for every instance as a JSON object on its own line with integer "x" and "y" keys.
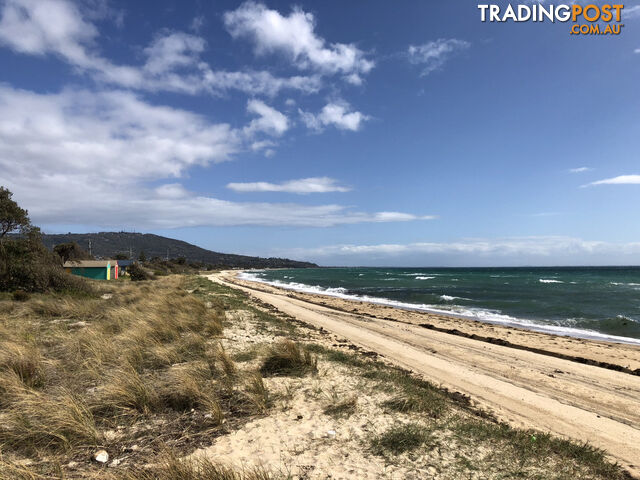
{"x": 589, "y": 302}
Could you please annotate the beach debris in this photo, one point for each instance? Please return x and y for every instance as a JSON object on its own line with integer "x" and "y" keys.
{"x": 331, "y": 433}
{"x": 106, "y": 296}
{"x": 101, "y": 456}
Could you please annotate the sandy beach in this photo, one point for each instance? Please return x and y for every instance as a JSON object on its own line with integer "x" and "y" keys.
{"x": 574, "y": 388}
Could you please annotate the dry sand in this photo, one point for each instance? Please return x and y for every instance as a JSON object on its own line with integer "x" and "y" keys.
{"x": 530, "y": 389}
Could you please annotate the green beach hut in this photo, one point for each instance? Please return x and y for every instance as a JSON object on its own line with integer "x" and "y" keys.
{"x": 96, "y": 269}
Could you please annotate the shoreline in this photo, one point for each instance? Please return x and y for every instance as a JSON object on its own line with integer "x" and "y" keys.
{"x": 569, "y": 387}
{"x": 619, "y": 356}
{"x": 505, "y": 320}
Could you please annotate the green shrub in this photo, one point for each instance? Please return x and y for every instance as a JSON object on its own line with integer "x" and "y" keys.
{"x": 138, "y": 274}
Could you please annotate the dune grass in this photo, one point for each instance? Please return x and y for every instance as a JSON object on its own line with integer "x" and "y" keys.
{"x": 400, "y": 438}
{"x": 287, "y": 358}
{"x": 130, "y": 356}
{"x": 173, "y": 468}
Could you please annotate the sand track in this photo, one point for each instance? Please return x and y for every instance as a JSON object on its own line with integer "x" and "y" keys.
{"x": 525, "y": 389}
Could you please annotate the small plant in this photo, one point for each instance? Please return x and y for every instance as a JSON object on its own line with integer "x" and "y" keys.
{"x": 400, "y": 438}
{"x": 342, "y": 409}
{"x": 287, "y": 358}
{"x": 21, "y": 296}
{"x": 257, "y": 394}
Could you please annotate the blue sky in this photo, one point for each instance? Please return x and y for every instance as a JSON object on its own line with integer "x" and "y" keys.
{"x": 385, "y": 133}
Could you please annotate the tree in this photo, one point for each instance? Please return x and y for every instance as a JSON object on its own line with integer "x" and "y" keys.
{"x": 25, "y": 263}
{"x": 70, "y": 251}
{"x": 142, "y": 257}
{"x": 121, "y": 256}
{"x": 12, "y": 217}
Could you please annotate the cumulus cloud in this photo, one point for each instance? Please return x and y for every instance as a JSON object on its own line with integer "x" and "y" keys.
{"x": 334, "y": 114}
{"x": 109, "y": 159}
{"x": 269, "y": 121}
{"x": 300, "y": 186}
{"x": 173, "y": 62}
{"x": 620, "y": 180}
{"x": 294, "y": 36}
{"x": 431, "y": 56}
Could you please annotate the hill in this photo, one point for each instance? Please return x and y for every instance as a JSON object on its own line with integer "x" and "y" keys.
{"x": 108, "y": 244}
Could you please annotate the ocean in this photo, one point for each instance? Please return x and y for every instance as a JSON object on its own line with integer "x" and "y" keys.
{"x": 601, "y": 303}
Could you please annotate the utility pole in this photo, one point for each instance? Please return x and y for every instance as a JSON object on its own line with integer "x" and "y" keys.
{"x": 167, "y": 254}
{"x": 89, "y": 247}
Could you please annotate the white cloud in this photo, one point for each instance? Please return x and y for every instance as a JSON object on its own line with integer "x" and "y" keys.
{"x": 294, "y": 36}
{"x": 55, "y": 26}
{"x": 269, "y": 120}
{"x": 631, "y": 12}
{"x": 580, "y": 169}
{"x": 109, "y": 159}
{"x": 401, "y": 217}
{"x": 433, "y": 55}
{"x": 172, "y": 51}
{"x": 336, "y": 114}
{"x": 111, "y": 135}
{"x": 620, "y": 180}
{"x": 173, "y": 62}
{"x": 301, "y": 186}
{"x": 544, "y": 250}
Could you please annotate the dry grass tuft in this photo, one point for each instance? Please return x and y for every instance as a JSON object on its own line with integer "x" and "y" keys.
{"x": 24, "y": 360}
{"x": 126, "y": 392}
{"x": 35, "y": 420}
{"x": 172, "y": 468}
{"x": 188, "y": 388}
{"x": 221, "y": 363}
{"x": 11, "y": 471}
{"x": 287, "y": 358}
{"x": 256, "y": 393}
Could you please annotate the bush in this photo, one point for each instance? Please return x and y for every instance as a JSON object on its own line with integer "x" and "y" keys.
{"x": 21, "y": 296}
{"x": 26, "y": 264}
{"x": 138, "y": 274}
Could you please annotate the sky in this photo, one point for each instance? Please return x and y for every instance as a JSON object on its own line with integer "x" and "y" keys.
{"x": 344, "y": 133}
